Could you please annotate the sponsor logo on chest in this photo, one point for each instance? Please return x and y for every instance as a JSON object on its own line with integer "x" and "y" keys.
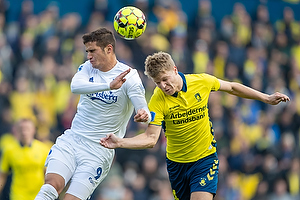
{"x": 107, "y": 97}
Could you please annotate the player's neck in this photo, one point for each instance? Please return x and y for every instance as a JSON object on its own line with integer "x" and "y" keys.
{"x": 112, "y": 61}
{"x": 26, "y": 143}
{"x": 179, "y": 83}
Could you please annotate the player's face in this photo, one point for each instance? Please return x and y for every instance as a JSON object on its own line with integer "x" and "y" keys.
{"x": 96, "y": 55}
{"x": 168, "y": 81}
{"x": 27, "y": 131}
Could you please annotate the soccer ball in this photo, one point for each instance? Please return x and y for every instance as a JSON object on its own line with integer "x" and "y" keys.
{"x": 130, "y": 22}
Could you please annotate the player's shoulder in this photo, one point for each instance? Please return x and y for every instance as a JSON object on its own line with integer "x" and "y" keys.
{"x": 158, "y": 98}
{"x": 7, "y": 139}
{"x": 87, "y": 65}
{"x": 121, "y": 67}
{"x": 40, "y": 145}
{"x": 203, "y": 77}
{"x": 197, "y": 76}
{"x": 158, "y": 93}
{"x": 11, "y": 148}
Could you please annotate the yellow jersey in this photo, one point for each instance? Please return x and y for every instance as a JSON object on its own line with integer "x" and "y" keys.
{"x": 27, "y": 166}
{"x": 184, "y": 117}
{"x": 7, "y": 140}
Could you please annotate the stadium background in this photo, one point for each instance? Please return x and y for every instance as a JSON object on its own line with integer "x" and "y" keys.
{"x": 256, "y": 42}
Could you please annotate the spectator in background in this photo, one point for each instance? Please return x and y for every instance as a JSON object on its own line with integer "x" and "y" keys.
{"x": 26, "y": 11}
{"x": 263, "y": 15}
{"x": 220, "y": 59}
{"x": 25, "y": 158}
{"x": 242, "y": 23}
{"x": 262, "y": 191}
{"x": 6, "y": 59}
{"x": 8, "y": 138}
{"x": 293, "y": 178}
{"x": 22, "y": 100}
{"x": 5, "y": 109}
{"x": 200, "y": 57}
{"x": 280, "y": 190}
{"x": 289, "y": 25}
{"x": 204, "y": 15}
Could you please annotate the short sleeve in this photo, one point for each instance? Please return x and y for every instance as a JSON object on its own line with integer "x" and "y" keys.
{"x": 156, "y": 107}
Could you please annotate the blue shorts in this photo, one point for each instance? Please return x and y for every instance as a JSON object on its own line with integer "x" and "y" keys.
{"x": 201, "y": 176}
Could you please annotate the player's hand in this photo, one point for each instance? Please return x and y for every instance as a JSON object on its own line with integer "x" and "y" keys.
{"x": 110, "y": 141}
{"x": 141, "y": 116}
{"x": 277, "y": 97}
{"x": 119, "y": 80}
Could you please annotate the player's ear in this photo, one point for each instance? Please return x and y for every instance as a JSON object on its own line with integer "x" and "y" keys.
{"x": 175, "y": 70}
{"x": 108, "y": 49}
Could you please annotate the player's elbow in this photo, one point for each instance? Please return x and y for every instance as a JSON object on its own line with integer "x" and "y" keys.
{"x": 233, "y": 88}
{"x": 152, "y": 142}
{"x": 74, "y": 88}
{"x": 151, "y": 145}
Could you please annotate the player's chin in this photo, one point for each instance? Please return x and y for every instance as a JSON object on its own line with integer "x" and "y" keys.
{"x": 169, "y": 92}
{"x": 94, "y": 65}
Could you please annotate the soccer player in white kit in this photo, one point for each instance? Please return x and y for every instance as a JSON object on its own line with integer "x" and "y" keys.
{"x": 109, "y": 92}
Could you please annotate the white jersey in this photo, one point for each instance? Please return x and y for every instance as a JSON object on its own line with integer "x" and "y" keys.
{"x": 101, "y": 110}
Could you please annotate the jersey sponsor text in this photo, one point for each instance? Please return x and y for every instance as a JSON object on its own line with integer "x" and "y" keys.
{"x": 106, "y": 96}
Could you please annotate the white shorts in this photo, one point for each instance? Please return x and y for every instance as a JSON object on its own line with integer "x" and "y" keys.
{"x": 82, "y": 162}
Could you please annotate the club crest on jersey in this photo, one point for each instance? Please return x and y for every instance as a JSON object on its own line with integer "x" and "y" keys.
{"x": 198, "y": 97}
{"x": 80, "y": 68}
{"x": 202, "y": 182}
{"x": 107, "y": 97}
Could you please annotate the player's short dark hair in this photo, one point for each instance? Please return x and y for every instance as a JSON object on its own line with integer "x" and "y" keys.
{"x": 101, "y": 36}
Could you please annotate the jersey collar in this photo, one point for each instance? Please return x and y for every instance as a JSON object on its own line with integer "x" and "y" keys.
{"x": 184, "y": 86}
{"x": 23, "y": 145}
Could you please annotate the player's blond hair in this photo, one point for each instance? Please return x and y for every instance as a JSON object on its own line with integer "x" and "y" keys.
{"x": 157, "y": 63}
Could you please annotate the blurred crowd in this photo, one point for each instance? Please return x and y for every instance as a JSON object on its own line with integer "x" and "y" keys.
{"x": 258, "y": 144}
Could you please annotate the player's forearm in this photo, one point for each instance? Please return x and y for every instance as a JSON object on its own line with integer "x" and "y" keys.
{"x": 248, "y": 93}
{"x": 3, "y": 178}
{"x": 141, "y": 141}
{"x": 80, "y": 86}
{"x": 139, "y": 102}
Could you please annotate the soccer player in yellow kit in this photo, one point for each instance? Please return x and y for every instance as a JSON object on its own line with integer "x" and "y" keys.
{"x": 25, "y": 158}
{"x": 179, "y": 105}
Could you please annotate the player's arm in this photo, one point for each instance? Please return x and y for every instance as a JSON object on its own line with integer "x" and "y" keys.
{"x": 136, "y": 93}
{"x": 3, "y": 178}
{"x": 148, "y": 139}
{"x": 243, "y": 91}
{"x": 4, "y": 168}
{"x": 142, "y": 115}
{"x": 80, "y": 83}
{"x": 142, "y": 111}
{"x": 140, "y": 105}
